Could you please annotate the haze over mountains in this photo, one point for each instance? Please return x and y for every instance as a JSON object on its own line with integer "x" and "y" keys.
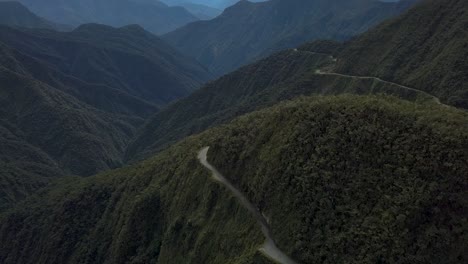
{"x": 15, "y": 14}
{"x": 351, "y": 148}
{"x": 153, "y": 15}
{"x": 247, "y": 31}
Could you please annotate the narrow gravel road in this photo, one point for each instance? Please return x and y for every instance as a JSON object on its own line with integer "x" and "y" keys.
{"x": 435, "y": 99}
{"x": 269, "y": 248}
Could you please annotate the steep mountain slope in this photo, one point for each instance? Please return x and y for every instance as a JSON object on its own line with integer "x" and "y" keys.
{"x": 282, "y": 76}
{"x": 425, "y": 48}
{"x": 248, "y": 30}
{"x": 48, "y": 133}
{"x": 341, "y": 179}
{"x": 24, "y": 168}
{"x": 15, "y": 14}
{"x": 152, "y": 15}
{"x": 71, "y": 103}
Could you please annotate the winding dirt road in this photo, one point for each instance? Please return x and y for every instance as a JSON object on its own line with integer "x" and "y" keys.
{"x": 319, "y": 72}
{"x": 435, "y": 99}
{"x": 269, "y": 248}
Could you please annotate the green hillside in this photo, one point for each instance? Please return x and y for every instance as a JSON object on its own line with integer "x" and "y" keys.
{"x": 342, "y": 179}
{"x": 425, "y": 48}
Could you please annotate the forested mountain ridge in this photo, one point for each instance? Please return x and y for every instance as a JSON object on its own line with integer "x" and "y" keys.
{"x": 47, "y": 134}
{"x": 425, "y": 48}
{"x": 324, "y": 67}
{"x": 282, "y": 76}
{"x": 379, "y": 170}
{"x": 153, "y": 15}
{"x": 72, "y": 101}
{"x": 247, "y": 31}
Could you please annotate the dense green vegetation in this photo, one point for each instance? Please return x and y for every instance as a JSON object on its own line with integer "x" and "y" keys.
{"x": 282, "y": 76}
{"x": 342, "y": 179}
{"x": 425, "y": 48}
{"x": 247, "y": 31}
{"x": 355, "y": 180}
{"x": 165, "y": 210}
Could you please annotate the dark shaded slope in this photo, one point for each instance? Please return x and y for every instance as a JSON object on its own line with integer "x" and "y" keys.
{"x": 24, "y": 168}
{"x": 340, "y": 179}
{"x": 247, "y": 30}
{"x": 425, "y": 48}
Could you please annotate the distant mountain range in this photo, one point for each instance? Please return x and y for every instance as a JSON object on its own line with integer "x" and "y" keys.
{"x": 15, "y": 14}
{"x": 218, "y": 4}
{"x": 248, "y": 31}
{"x": 72, "y": 101}
{"x": 153, "y": 15}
